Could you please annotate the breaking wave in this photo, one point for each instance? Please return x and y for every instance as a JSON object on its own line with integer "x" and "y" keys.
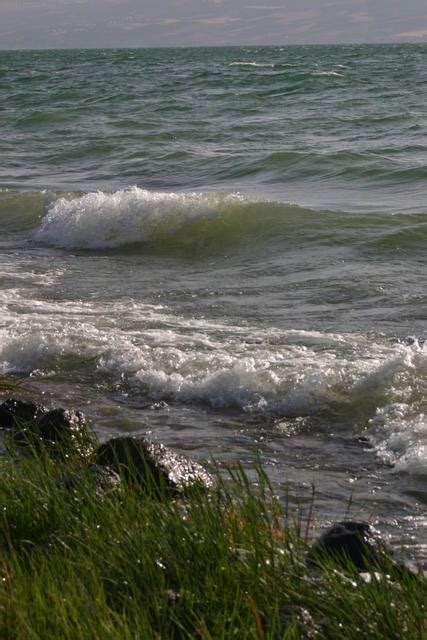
{"x": 370, "y": 387}
{"x": 102, "y": 220}
{"x": 167, "y": 221}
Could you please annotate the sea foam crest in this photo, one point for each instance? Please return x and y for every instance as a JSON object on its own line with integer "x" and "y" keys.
{"x": 251, "y": 64}
{"x": 369, "y": 385}
{"x": 101, "y": 220}
{"x": 334, "y": 74}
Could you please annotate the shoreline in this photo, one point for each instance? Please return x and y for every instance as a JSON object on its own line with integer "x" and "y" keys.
{"x": 126, "y": 555}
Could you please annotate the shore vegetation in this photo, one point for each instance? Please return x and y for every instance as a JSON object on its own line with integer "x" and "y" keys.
{"x": 127, "y": 563}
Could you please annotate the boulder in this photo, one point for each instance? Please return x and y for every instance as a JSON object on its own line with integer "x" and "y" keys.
{"x": 350, "y": 543}
{"x": 152, "y": 464}
{"x": 16, "y": 413}
{"x": 301, "y": 618}
{"x": 61, "y": 433}
{"x": 101, "y": 478}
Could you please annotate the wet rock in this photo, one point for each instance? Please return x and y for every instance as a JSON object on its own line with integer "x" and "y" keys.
{"x": 152, "y": 464}
{"x": 351, "y": 543}
{"x": 159, "y": 406}
{"x": 173, "y": 596}
{"x": 308, "y": 628}
{"x": 16, "y": 413}
{"x": 61, "y": 433}
{"x": 102, "y": 478}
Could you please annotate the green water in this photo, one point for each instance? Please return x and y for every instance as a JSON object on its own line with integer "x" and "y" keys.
{"x": 225, "y": 249}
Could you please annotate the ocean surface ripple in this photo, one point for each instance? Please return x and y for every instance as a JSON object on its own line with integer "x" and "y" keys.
{"x": 225, "y": 249}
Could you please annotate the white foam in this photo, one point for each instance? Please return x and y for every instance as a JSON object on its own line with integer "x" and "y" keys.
{"x": 328, "y": 73}
{"x": 289, "y": 373}
{"x": 14, "y": 270}
{"x": 101, "y": 220}
{"x": 251, "y": 64}
{"x": 399, "y": 434}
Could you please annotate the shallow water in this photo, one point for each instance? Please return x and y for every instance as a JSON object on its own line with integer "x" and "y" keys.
{"x": 225, "y": 249}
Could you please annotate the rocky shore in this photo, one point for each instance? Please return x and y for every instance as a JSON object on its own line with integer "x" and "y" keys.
{"x": 82, "y": 474}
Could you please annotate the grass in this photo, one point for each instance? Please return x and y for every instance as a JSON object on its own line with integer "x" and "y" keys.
{"x": 130, "y": 565}
{"x": 9, "y": 383}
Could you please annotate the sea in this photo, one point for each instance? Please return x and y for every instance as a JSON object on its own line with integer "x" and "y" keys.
{"x": 224, "y": 250}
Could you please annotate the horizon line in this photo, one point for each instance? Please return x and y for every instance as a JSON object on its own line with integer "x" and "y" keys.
{"x": 216, "y": 46}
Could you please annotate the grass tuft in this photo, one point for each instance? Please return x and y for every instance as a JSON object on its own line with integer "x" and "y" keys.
{"x": 136, "y": 564}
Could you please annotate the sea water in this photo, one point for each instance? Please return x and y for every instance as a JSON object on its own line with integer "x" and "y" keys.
{"x": 224, "y": 249}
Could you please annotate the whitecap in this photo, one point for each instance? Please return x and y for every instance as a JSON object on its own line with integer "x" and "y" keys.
{"x": 102, "y": 220}
{"x": 252, "y": 64}
{"x": 375, "y": 386}
{"x": 328, "y": 73}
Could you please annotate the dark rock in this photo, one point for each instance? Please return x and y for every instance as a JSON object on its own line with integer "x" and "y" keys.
{"x": 68, "y": 428}
{"x": 61, "y": 433}
{"x": 159, "y": 406}
{"x": 350, "y": 543}
{"x": 102, "y": 478}
{"x": 152, "y": 465}
{"x": 308, "y": 628}
{"x": 58, "y": 423}
{"x": 15, "y": 413}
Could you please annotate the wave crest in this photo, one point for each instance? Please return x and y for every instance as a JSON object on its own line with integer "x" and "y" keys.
{"x": 196, "y": 223}
{"x": 101, "y": 220}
